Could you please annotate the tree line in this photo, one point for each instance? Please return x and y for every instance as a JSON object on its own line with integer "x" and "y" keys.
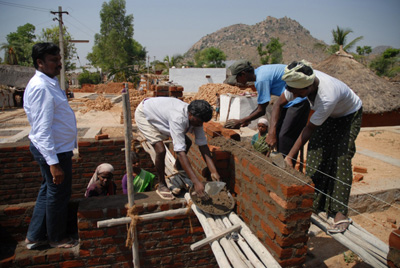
{"x": 123, "y": 58}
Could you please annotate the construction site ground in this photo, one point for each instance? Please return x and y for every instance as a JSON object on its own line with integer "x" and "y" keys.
{"x": 378, "y": 150}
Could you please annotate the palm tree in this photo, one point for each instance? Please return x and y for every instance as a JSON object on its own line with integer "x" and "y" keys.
{"x": 340, "y": 37}
{"x": 10, "y": 55}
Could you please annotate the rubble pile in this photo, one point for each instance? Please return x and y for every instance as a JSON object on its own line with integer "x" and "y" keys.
{"x": 207, "y": 92}
{"x": 99, "y": 104}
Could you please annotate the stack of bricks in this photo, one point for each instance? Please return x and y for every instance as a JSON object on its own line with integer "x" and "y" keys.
{"x": 165, "y": 90}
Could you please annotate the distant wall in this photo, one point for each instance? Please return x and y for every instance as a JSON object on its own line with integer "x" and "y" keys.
{"x": 192, "y": 78}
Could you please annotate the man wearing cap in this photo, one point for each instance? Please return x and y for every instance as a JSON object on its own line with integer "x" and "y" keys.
{"x": 268, "y": 82}
{"x": 163, "y": 117}
{"x": 331, "y": 132}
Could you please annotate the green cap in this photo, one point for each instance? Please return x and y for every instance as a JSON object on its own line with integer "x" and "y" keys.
{"x": 237, "y": 68}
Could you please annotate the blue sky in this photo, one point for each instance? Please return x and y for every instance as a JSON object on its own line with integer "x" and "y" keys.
{"x": 168, "y": 27}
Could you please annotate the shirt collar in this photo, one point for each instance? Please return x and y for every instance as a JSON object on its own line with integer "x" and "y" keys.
{"x": 42, "y": 75}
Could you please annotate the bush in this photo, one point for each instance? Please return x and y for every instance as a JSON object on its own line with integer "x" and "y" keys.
{"x": 89, "y": 78}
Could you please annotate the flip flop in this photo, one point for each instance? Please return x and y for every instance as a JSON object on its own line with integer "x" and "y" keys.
{"x": 69, "y": 244}
{"x": 34, "y": 245}
{"x": 166, "y": 195}
{"x": 335, "y": 229}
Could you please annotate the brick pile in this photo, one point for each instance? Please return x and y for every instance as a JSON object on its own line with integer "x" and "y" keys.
{"x": 167, "y": 90}
{"x": 207, "y": 92}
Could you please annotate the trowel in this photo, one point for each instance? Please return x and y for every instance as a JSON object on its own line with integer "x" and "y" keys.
{"x": 277, "y": 159}
{"x": 214, "y": 187}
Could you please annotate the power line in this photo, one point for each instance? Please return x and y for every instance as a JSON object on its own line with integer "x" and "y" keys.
{"x": 25, "y": 6}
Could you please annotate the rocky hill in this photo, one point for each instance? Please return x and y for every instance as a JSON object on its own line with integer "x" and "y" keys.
{"x": 240, "y": 41}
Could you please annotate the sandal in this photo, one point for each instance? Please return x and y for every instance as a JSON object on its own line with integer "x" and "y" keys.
{"x": 164, "y": 193}
{"x": 340, "y": 226}
{"x": 65, "y": 243}
{"x": 34, "y": 245}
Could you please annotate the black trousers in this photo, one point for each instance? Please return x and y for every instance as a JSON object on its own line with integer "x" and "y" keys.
{"x": 290, "y": 124}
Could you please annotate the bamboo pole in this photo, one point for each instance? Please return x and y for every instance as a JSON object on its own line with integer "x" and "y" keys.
{"x": 128, "y": 163}
{"x": 244, "y": 246}
{"x": 215, "y": 246}
{"x": 146, "y": 217}
{"x": 237, "y": 251}
{"x": 214, "y": 237}
{"x": 264, "y": 255}
{"x": 341, "y": 238}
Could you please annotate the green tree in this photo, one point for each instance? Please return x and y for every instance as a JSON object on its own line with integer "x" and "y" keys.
{"x": 363, "y": 50}
{"x": 340, "y": 39}
{"x": 53, "y": 35}
{"x": 210, "y": 58}
{"x": 18, "y": 48}
{"x": 115, "y": 50}
{"x": 387, "y": 64}
{"x": 272, "y": 53}
{"x": 87, "y": 77}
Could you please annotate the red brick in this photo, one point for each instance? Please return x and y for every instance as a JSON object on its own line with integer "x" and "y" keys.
{"x": 283, "y": 228}
{"x": 84, "y": 253}
{"x": 230, "y": 134}
{"x": 245, "y": 162}
{"x": 307, "y": 203}
{"x": 358, "y": 177}
{"x": 112, "y": 231}
{"x": 269, "y": 180}
{"x": 91, "y": 214}
{"x": 39, "y": 259}
{"x": 360, "y": 169}
{"x": 73, "y": 263}
{"x": 301, "y": 251}
{"x": 91, "y": 234}
{"x": 253, "y": 169}
{"x": 256, "y": 207}
{"x": 283, "y": 203}
{"x": 84, "y": 144}
{"x": 268, "y": 230}
{"x": 295, "y": 216}
{"x": 212, "y": 131}
{"x": 294, "y": 262}
{"x": 287, "y": 241}
{"x": 270, "y": 207}
{"x": 296, "y": 190}
{"x": 11, "y": 211}
{"x": 112, "y": 213}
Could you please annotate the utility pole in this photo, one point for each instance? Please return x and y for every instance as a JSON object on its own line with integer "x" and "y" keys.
{"x": 61, "y": 40}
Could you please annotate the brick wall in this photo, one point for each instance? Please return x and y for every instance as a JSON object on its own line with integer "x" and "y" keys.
{"x": 163, "y": 242}
{"x": 20, "y": 175}
{"x": 275, "y": 204}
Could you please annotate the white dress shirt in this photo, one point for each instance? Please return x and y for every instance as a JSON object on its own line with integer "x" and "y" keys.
{"x": 53, "y": 122}
{"x": 171, "y": 117}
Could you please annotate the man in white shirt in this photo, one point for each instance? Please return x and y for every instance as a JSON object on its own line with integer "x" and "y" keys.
{"x": 163, "y": 117}
{"x": 53, "y": 137}
{"x": 331, "y": 132}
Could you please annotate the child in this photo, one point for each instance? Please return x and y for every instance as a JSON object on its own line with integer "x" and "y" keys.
{"x": 142, "y": 179}
{"x": 258, "y": 140}
{"x": 217, "y": 106}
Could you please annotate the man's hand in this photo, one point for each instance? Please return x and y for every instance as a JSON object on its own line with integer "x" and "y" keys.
{"x": 271, "y": 141}
{"x": 199, "y": 188}
{"x": 58, "y": 173}
{"x": 215, "y": 177}
{"x": 233, "y": 124}
{"x": 289, "y": 162}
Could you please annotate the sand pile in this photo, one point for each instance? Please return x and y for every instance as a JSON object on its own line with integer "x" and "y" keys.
{"x": 99, "y": 104}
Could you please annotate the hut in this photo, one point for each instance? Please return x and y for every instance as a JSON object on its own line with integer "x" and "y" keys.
{"x": 381, "y": 98}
